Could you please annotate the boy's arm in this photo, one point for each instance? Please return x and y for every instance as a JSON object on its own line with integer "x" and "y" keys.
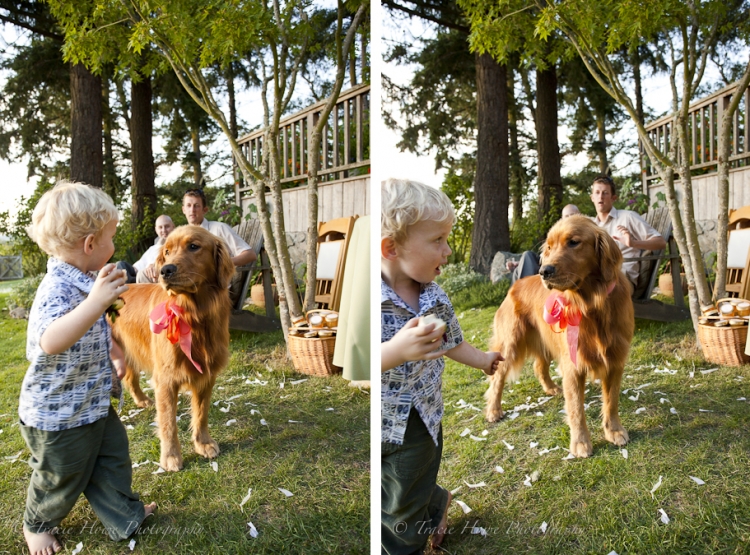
{"x": 64, "y": 332}
{"x": 471, "y": 356}
{"x": 412, "y": 342}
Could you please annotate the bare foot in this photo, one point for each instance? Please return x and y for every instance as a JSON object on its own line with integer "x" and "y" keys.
{"x": 439, "y": 533}
{"x": 150, "y": 508}
{"x": 41, "y": 544}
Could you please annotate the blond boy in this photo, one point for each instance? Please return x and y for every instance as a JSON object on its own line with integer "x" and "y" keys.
{"x": 77, "y": 442}
{"x": 415, "y": 223}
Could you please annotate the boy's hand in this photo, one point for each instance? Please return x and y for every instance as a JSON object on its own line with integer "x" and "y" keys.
{"x": 118, "y": 359}
{"x": 412, "y": 342}
{"x": 493, "y": 359}
{"x": 109, "y": 284}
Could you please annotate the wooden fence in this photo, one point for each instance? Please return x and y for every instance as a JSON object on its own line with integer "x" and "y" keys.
{"x": 344, "y": 158}
{"x": 704, "y": 128}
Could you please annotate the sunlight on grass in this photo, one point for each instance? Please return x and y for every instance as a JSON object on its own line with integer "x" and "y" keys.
{"x": 603, "y": 503}
{"x": 322, "y": 458}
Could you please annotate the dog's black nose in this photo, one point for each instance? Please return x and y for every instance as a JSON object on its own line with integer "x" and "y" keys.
{"x": 545, "y": 271}
{"x": 168, "y": 270}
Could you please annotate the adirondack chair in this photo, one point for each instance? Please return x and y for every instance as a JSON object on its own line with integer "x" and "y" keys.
{"x": 646, "y": 307}
{"x": 241, "y": 319}
{"x": 333, "y": 243}
{"x": 738, "y": 253}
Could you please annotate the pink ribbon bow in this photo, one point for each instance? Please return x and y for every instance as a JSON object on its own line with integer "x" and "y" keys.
{"x": 169, "y": 317}
{"x": 560, "y": 316}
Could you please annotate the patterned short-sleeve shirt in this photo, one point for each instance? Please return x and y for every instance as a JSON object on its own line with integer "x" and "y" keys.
{"x": 70, "y": 389}
{"x": 417, "y": 383}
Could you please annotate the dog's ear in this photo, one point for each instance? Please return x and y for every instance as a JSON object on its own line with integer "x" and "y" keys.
{"x": 609, "y": 255}
{"x": 224, "y": 264}
{"x": 159, "y": 262}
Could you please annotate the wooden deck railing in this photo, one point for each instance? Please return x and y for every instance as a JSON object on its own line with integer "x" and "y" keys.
{"x": 704, "y": 122}
{"x": 345, "y": 145}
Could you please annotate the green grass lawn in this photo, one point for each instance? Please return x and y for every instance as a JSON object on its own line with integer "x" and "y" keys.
{"x": 604, "y": 503}
{"x": 322, "y": 458}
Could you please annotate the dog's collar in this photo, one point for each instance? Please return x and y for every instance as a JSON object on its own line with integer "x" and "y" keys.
{"x": 168, "y": 316}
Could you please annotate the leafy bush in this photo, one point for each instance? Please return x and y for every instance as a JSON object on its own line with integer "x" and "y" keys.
{"x": 23, "y": 294}
{"x": 480, "y": 295}
{"x": 34, "y": 260}
{"x": 455, "y": 277}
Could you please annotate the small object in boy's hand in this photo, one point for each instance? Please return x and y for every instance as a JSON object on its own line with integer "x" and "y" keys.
{"x": 114, "y": 310}
{"x": 432, "y": 319}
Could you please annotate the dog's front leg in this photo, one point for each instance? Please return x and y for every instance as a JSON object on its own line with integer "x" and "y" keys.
{"x": 573, "y": 386}
{"x": 494, "y": 395}
{"x": 166, "y": 418}
{"x": 613, "y": 429}
{"x": 201, "y": 403}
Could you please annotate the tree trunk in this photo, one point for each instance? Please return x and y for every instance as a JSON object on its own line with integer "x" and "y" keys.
{"x": 195, "y": 159}
{"x": 601, "y": 128}
{"x": 236, "y": 174}
{"x": 365, "y": 69}
{"x": 85, "y": 126}
{"x": 353, "y": 64}
{"x": 637, "y": 82}
{"x": 491, "y": 233}
{"x": 111, "y": 182}
{"x": 729, "y": 109}
{"x": 142, "y": 158}
{"x": 517, "y": 172}
{"x": 548, "y": 148}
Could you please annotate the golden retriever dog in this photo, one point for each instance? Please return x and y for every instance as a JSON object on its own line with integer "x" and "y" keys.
{"x": 194, "y": 272}
{"x": 580, "y": 270}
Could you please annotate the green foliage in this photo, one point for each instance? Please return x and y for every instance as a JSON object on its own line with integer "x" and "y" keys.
{"x": 34, "y": 108}
{"x": 455, "y": 277}
{"x": 458, "y": 186}
{"x": 630, "y": 195}
{"x": 481, "y": 294}
{"x": 224, "y": 208}
{"x": 34, "y": 259}
{"x": 23, "y": 293}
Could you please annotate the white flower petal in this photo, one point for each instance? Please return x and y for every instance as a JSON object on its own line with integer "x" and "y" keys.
{"x": 286, "y": 492}
{"x": 697, "y": 480}
{"x": 464, "y": 507}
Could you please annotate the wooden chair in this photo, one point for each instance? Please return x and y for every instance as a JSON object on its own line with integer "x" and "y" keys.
{"x": 333, "y": 244}
{"x": 646, "y": 307}
{"x": 240, "y": 319}
{"x": 738, "y": 263}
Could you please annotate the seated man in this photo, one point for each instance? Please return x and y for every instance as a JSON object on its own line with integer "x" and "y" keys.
{"x": 528, "y": 264}
{"x": 631, "y": 232}
{"x": 194, "y": 207}
{"x": 144, "y": 271}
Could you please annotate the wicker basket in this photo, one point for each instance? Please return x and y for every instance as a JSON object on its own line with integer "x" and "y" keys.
{"x": 313, "y": 355}
{"x": 725, "y": 346}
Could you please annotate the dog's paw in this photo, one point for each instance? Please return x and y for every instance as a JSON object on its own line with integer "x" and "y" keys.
{"x": 581, "y": 449}
{"x": 210, "y": 449}
{"x": 554, "y": 389}
{"x": 494, "y": 415}
{"x": 171, "y": 463}
{"x": 144, "y": 402}
{"x": 618, "y": 437}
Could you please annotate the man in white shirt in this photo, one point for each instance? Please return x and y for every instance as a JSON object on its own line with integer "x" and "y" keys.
{"x": 631, "y": 232}
{"x": 194, "y": 207}
{"x": 145, "y": 266}
{"x": 144, "y": 271}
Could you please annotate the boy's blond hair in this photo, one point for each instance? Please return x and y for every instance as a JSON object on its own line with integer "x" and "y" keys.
{"x": 67, "y": 213}
{"x": 405, "y": 203}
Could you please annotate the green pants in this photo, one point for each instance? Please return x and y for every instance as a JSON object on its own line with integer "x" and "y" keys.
{"x": 412, "y": 502}
{"x": 91, "y": 459}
